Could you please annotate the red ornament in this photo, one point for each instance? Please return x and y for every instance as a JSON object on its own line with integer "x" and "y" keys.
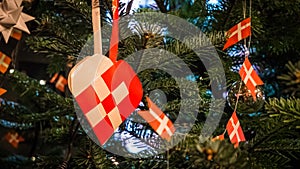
{"x": 106, "y": 92}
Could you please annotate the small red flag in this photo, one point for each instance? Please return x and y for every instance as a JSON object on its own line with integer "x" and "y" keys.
{"x": 14, "y": 139}
{"x": 2, "y": 91}
{"x": 60, "y": 83}
{"x": 238, "y": 32}
{"x": 16, "y": 34}
{"x": 158, "y": 120}
{"x": 234, "y": 130}
{"x": 250, "y": 77}
{"x": 107, "y": 99}
{"x": 4, "y": 62}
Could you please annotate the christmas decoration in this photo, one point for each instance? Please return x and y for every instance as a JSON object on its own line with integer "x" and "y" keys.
{"x": 246, "y": 102}
{"x": 219, "y": 137}
{"x": 250, "y": 77}
{"x": 2, "y": 91}
{"x": 54, "y": 77}
{"x": 106, "y": 90}
{"x": 4, "y": 62}
{"x": 60, "y": 83}
{"x": 107, "y": 93}
{"x": 113, "y": 53}
{"x": 12, "y": 17}
{"x": 234, "y": 130}
{"x": 16, "y": 34}
{"x": 14, "y": 139}
{"x": 158, "y": 120}
{"x": 238, "y": 32}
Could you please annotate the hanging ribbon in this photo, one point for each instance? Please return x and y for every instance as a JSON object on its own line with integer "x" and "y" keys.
{"x": 96, "y": 27}
{"x": 113, "y": 53}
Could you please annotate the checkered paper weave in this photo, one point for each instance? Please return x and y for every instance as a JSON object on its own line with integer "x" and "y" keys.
{"x": 108, "y": 96}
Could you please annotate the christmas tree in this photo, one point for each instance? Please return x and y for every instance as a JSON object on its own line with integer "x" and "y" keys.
{"x": 41, "y": 124}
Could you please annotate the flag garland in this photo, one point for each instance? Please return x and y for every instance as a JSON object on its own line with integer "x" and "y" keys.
{"x": 238, "y": 32}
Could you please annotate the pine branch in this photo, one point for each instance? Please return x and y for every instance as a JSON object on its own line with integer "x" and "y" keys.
{"x": 291, "y": 79}
{"x": 287, "y": 109}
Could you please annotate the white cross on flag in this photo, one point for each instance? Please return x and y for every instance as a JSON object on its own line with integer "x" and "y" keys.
{"x": 234, "y": 130}
{"x": 238, "y": 32}
{"x": 250, "y": 77}
{"x": 14, "y": 139}
{"x": 158, "y": 120}
{"x": 106, "y": 92}
{"x": 61, "y": 83}
{"x": 4, "y": 62}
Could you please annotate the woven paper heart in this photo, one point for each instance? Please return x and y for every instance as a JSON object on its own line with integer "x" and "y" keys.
{"x": 106, "y": 92}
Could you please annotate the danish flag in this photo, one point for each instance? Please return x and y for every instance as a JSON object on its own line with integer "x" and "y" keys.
{"x": 60, "y": 83}
{"x": 16, "y": 34}
{"x": 238, "y": 32}
{"x": 234, "y": 130}
{"x": 158, "y": 120}
{"x": 4, "y": 62}
{"x": 14, "y": 139}
{"x": 2, "y": 91}
{"x": 250, "y": 77}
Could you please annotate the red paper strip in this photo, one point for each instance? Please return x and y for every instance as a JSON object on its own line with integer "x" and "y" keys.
{"x": 113, "y": 53}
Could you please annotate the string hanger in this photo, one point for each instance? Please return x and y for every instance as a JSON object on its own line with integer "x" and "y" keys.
{"x": 247, "y": 46}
